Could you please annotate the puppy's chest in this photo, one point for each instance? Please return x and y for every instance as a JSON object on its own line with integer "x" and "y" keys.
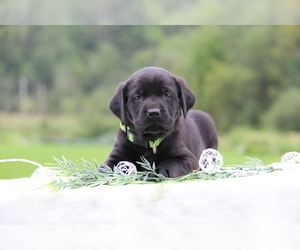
{"x": 146, "y": 153}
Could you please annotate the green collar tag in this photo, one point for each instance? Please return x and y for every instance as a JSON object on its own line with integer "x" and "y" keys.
{"x": 147, "y": 144}
{"x": 155, "y": 143}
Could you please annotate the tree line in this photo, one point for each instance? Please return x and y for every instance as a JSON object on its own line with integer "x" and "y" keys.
{"x": 242, "y": 75}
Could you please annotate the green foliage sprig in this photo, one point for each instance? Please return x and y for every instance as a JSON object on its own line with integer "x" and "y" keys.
{"x": 92, "y": 175}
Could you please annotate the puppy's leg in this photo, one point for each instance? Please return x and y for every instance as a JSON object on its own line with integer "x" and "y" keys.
{"x": 122, "y": 151}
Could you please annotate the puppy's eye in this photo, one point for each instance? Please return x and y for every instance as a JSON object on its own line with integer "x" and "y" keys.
{"x": 137, "y": 97}
{"x": 167, "y": 95}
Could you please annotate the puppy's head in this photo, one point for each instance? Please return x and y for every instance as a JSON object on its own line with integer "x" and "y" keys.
{"x": 151, "y": 101}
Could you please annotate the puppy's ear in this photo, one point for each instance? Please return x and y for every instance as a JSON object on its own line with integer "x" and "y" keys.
{"x": 118, "y": 103}
{"x": 186, "y": 96}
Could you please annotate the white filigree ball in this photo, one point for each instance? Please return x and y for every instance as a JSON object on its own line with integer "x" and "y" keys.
{"x": 291, "y": 157}
{"x": 43, "y": 172}
{"x": 125, "y": 168}
{"x": 210, "y": 160}
{"x": 290, "y": 161}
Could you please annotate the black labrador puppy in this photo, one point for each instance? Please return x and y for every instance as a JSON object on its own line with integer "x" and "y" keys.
{"x": 153, "y": 106}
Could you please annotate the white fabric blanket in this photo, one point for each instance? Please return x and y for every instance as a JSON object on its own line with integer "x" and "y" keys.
{"x": 259, "y": 212}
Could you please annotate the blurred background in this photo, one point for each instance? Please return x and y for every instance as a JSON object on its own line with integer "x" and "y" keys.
{"x": 56, "y": 83}
{"x": 165, "y": 12}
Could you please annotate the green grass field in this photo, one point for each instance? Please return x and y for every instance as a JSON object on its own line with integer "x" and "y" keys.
{"x": 44, "y": 153}
{"x": 19, "y": 139}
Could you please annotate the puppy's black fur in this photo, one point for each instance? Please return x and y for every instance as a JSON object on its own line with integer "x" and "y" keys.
{"x": 153, "y": 104}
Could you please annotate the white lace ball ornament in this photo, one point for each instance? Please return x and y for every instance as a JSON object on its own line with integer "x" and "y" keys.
{"x": 125, "y": 168}
{"x": 290, "y": 161}
{"x": 43, "y": 172}
{"x": 291, "y": 157}
{"x": 210, "y": 160}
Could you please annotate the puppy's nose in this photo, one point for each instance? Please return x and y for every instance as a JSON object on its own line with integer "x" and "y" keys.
{"x": 153, "y": 113}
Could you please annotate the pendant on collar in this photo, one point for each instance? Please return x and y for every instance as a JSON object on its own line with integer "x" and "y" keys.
{"x": 147, "y": 144}
{"x": 155, "y": 144}
{"x": 154, "y": 150}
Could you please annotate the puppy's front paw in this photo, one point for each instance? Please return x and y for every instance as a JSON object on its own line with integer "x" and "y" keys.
{"x": 170, "y": 172}
{"x": 175, "y": 168}
{"x": 164, "y": 171}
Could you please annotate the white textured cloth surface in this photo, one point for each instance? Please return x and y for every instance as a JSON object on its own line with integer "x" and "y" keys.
{"x": 259, "y": 212}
